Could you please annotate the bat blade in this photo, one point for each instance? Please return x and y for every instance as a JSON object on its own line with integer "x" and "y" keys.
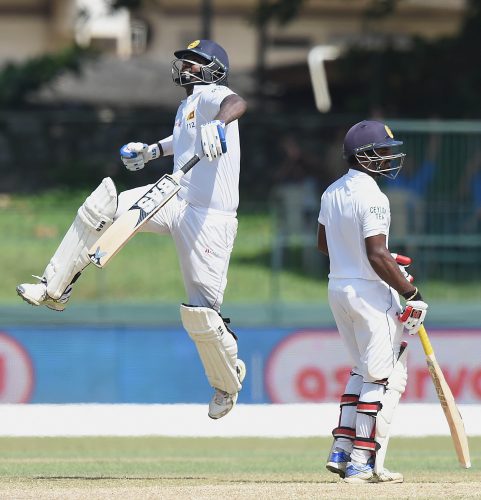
{"x": 448, "y": 404}
{"x": 451, "y": 412}
{"x": 119, "y": 233}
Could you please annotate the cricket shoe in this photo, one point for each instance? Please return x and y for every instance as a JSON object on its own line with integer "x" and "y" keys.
{"x": 357, "y": 473}
{"x": 222, "y": 402}
{"x": 36, "y": 295}
{"x": 337, "y": 461}
{"x": 386, "y": 476}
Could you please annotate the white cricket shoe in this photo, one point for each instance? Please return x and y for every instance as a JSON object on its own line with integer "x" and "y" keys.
{"x": 36, "y": 295}
{"x": 386, "y": 476}
{"x": 222, "y": 402}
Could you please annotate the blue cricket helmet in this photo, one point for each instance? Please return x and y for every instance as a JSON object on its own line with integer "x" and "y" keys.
{"x": 364, "y": 139}
{"x": 215, "y": 70}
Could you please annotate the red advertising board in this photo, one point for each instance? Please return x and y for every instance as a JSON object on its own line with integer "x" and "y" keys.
{"x": 16, "y": 371}
{"x": 313, "y": 366}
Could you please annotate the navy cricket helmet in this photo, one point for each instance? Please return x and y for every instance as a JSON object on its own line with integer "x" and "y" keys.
{"x": 214, "y": 70}
{"x": 364, "y": 140}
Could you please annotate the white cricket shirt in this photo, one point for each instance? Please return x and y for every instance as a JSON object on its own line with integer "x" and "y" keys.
{"x": 209, "y": 185}
{"x": 352, "y": 209}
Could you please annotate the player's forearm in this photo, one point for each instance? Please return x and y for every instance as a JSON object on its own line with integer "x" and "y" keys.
{"x": 322, "y": 240}
{"x": 388, "y": 270}
{"x": 166, "y": 146}
{"x": 231, "y": 108}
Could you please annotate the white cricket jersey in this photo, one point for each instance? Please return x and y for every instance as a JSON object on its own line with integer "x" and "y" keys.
{"x": 352, "y": 209}
{"x": 209, "y": 185}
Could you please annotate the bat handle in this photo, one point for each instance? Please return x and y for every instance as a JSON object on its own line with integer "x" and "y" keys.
{"x": 193, "y": 161}
{"x": 423, "y": 335}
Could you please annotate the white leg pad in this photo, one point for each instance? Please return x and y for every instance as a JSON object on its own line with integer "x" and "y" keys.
{"x": 216, "y": 346}
{"x": 396, "y": 385}
{"x": 93, "y": 217}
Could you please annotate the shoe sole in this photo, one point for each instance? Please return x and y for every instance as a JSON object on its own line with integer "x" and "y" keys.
{"x": 32, "y": 302}
{"x": 55, "y": 308}
{"x": 334, "y": 468}
{"x": 358, "y": 480}
{"x": 391, "y": 481}
{"x": 241, "y": 374}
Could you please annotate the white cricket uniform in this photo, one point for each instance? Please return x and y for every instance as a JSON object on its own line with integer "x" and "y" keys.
{"x": 202, "y": 217}
{"x": 364, "y": 307}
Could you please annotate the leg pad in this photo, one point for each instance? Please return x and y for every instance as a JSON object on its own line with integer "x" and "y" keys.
{"x": 396, "y": 384}
{"x": 216, "y": 346}
{"x": 93, "y": 217}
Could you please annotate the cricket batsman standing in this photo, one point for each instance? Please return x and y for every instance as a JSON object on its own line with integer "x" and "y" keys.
{"x": 202, "y": 218}
{"x": 365, "y": 282}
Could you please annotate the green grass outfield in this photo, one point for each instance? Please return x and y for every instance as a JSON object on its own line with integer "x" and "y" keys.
{"x": 198, "y": 468}
{"x": 147, "y": 268}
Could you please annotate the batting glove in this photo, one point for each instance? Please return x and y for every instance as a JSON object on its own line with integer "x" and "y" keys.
{"x": 413, "y": 315}
{"x": 213, "y": 139}
{"x": 403, "y": 262}
{"x": 135, "y": 155}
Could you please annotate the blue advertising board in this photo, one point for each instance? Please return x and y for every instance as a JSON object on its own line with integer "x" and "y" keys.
{"x": 85, "y": 364}
{"x": 113, "y": 364}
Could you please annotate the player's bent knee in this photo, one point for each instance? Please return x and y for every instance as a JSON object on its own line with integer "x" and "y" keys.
{"x": 93, "y": 217}
{"x": 98, "y": 210}
{"x": 217, "y": 347}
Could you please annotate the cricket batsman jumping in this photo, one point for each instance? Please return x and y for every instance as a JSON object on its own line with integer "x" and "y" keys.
{"x": 201, "y": 217}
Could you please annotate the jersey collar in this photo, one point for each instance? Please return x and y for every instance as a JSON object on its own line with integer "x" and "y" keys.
{"x": 352, "y": 172}
{"x": 200, "y": 88}
{"x": 197, "y": 89}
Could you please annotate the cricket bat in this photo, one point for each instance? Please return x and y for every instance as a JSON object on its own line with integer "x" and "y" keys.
{"x": 119, "y": 233}
{"x": 447, "y": 401}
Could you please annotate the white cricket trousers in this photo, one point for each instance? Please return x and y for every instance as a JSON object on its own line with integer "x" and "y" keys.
{"x": 365, "y": 315}
{"x": 204, "y": 242}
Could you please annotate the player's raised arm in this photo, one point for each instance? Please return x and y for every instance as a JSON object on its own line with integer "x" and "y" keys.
{"x": 213, "y": 136}
{"x": 231, "y": 108}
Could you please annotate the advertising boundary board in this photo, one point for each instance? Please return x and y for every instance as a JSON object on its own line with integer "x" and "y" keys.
{"x": 75, "y": 364}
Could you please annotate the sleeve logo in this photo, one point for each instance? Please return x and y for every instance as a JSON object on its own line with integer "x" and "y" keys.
{"x": 379, "y": 212}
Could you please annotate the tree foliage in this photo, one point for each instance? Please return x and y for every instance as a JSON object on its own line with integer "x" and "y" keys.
{"x": 19, "y": 80}
{"x": 279, "y": 11}
{"x": 430, "y": 78}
